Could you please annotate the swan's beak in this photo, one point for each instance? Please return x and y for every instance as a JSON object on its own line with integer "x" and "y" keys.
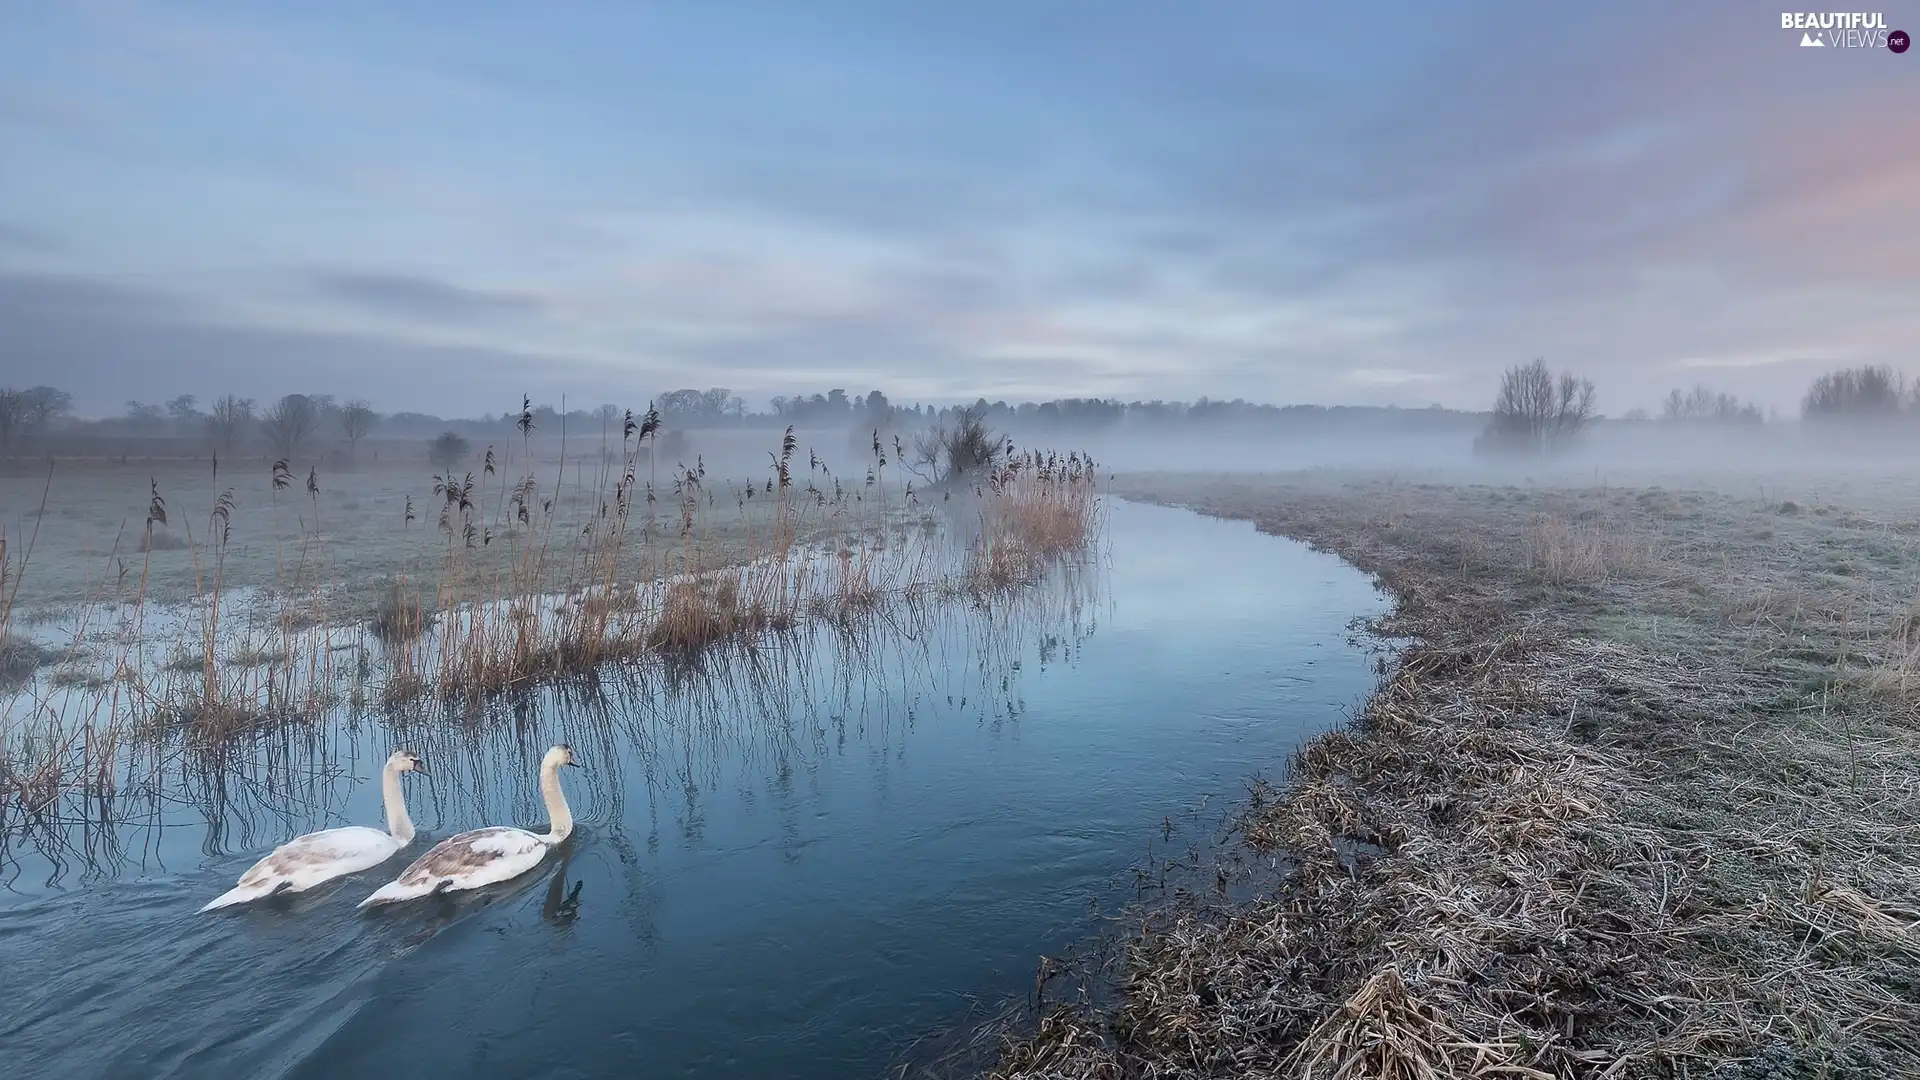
{"x": 422, "y": 770}
{"x": 575, "y": 764}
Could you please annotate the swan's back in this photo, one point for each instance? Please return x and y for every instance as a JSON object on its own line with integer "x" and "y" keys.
{"x": 309, "y": 860}
{"x": 466, "y": 860}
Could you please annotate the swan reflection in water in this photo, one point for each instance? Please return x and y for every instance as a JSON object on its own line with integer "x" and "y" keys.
{"x": 562, "y": 904}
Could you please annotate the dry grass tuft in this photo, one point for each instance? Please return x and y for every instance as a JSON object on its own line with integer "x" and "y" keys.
{"x": 1563, "y": 552}
{"x": 1898, "y": 923}
{"x": 19, "y": 659}
{"x": 698, "y": 615}
{"x": 1894, "y": 676}
{"x": 402, "y": 616}
{"x": 1385, "y": 1030}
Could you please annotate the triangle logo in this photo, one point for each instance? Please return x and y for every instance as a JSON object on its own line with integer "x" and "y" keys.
{"x": 1809, "y": 41}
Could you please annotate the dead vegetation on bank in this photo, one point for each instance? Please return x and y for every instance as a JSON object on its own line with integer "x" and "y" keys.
{"x": 1616, "y": 812}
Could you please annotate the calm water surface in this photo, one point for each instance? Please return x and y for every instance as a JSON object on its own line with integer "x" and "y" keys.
{"x": 793, "y": 867}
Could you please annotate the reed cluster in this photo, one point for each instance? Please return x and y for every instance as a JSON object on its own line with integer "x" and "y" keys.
{"x": 1035, "y": 509}
{"x": 1560, "y": 551}
{"x": 654, "y": 730}
{"x": 514, "y": 581}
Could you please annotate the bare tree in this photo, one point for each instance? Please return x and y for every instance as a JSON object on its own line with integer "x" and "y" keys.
{"x": 681, "y": 405}
{"x": 185, "y": 415}
{"x": 289, "y": 422}
{"x": 1535, "y": 412}
{"x": 356, "y": 419}
{"x": 26, "y": 413}
{"x": 45, "y": 405}
{"x": 145, "y": 418}
{"x": 228, "y": 421}
{"x": 948, "y": 451}
{"x": 1854, "y": 393}
{"x": 13, "y": 413}
{"x": 1700, "y": 403}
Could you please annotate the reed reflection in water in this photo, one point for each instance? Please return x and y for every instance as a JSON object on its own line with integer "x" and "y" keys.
{"x": 774, "y": 705}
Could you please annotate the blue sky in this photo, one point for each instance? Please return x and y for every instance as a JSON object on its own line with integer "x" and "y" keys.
{"x": 438, "y": 205}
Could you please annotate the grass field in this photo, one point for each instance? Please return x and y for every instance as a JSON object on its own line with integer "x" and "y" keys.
{"x": 85, "y": 520}
{"x": 1640, "y": 797}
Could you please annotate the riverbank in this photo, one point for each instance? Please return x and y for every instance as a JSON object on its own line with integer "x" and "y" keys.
{"x": 1640, "y": 797}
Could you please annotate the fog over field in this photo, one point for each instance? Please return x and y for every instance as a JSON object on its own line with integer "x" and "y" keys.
{"x": 1070, "y": 540}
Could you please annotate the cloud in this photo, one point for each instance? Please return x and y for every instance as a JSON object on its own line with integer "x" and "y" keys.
{"x": 1763, "y": 359}
{"x": 932, "y": 202}
{"x": 107, "y": 342}
{"x": 56, "y": 113}
{"x": 26, "y": 239}
{"x": 1392, "y": 376}
{"x": 423, "y": 297}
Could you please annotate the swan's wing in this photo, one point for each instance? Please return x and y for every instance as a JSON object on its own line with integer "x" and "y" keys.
{"x": 327, "y": 853}
{"x": 471, "y": 855}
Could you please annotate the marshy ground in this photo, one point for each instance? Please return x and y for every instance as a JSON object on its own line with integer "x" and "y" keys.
{"x": 1640, "y": 797}
{"x": 334, "y": 551}
{"x": 391, "y": 593}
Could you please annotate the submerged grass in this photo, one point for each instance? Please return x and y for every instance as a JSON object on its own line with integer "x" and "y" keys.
{"x": 1636, "y": 800}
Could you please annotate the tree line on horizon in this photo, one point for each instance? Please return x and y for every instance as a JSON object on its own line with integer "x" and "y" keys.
{"x": 1538, "y": 412}
{"x": 230, "y": 424}
{"x": 1535, "y": 411}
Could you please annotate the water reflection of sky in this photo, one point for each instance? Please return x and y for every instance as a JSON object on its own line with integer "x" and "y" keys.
{"x": 791, "y": 868}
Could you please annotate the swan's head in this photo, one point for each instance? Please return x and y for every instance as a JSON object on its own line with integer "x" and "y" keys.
{"x": 558, "y": 756}
{"x": 406, "y": 761}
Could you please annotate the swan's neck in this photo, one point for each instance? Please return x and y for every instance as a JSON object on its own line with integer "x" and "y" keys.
{"x": 399, "y": 825}
{"x": 557, "y": 811}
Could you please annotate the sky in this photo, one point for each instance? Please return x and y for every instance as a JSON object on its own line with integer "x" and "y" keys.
{"x": 440, "y": 206}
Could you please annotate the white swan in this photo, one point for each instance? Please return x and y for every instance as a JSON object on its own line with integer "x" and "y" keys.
{"x": 485, "y": 856}
{"x": 306, "y": 861}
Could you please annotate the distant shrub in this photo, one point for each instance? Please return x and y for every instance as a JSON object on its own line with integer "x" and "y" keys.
{"x": 161, "y": 540}
{"x": 1700, "y": 403}
{"x": 447, "y": 450}
{"x": 1855, "y": 393}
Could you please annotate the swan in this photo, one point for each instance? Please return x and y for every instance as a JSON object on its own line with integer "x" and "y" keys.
{"x": 480, "y": 857}
{"x": 306, "y": 861}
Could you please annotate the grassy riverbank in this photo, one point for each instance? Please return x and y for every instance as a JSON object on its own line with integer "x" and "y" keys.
{"x": 1641, "y": 797}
